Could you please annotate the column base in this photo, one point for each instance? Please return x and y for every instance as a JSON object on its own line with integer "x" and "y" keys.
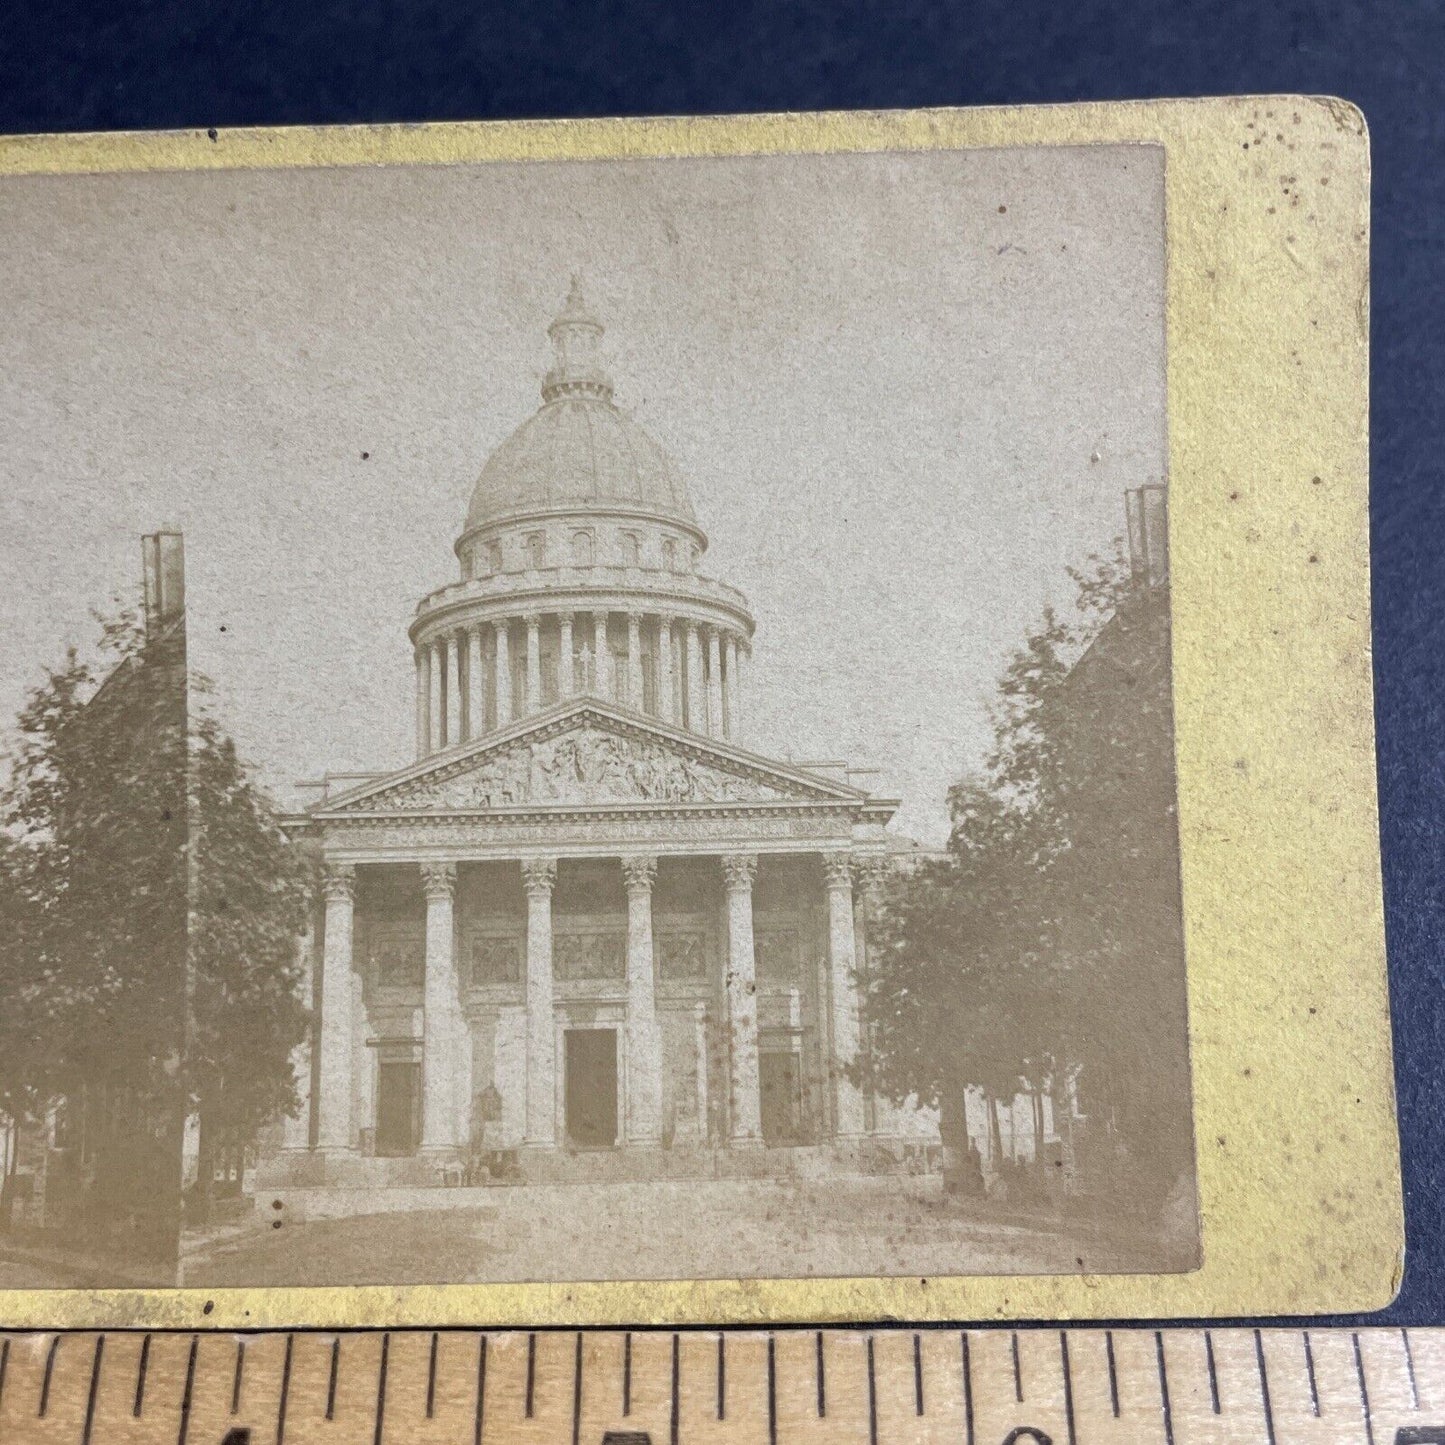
{"x": 747, "y": 1142}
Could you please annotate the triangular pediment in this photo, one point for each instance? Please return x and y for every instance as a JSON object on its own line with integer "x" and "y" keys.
{"x": 584, "y": 754}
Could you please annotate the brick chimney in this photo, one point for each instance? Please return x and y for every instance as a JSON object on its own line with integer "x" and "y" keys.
{"x": 1147, "y": 510}
{"x": 164, "y": 564}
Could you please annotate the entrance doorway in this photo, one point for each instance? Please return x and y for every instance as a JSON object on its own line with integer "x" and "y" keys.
{"x": 592, "y": 1087}
{"x": 778, "y": 1083}
{"x": 398, "y": 1107}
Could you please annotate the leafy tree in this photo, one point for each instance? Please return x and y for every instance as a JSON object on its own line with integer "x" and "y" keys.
{"x": 94, "y": 958}
{"x": 248, "y": 908}
{"x": 149, "y": 910}
{"x": 1046, "y": 947}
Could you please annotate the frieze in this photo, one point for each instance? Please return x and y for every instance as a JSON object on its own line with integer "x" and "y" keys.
{"x": 584, "y": 765}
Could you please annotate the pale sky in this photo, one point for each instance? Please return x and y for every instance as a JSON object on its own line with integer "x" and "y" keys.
{"x": 904, "y": 390}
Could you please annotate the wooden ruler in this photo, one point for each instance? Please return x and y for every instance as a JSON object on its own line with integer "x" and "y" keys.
{"x": 866, "y": 1387}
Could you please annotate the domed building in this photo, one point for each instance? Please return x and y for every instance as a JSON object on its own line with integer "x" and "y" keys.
{"x": 587, "y": 932}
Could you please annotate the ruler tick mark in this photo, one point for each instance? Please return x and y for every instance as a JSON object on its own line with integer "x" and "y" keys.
{"x": 577, "y": 1390}
{"x": 285, "y": 1391}
{"x": 967, "y": 1390}
{"x": 872, "y": 1398}
{"x": 49, "y": 1369}
{"x": 676, "y": 1390}
{"x": 1310, "y": 1372}
{"x": 722, "y": 1377}
{"x": 1164, "y": 1390}
{"x": 822, "y": 1378}
{"x": 1068, "y": 1385}
{"x": 917, "y": 1376}
{"x": 94, "y": 1388}
{"x": 236, "y": 1378}
{"x": 1113, "y": 1372}
{"x": 140, "y": 1377}
{"x": 1410, "y": 1369}
{"x": 331, "y": 1378}
{"x": 531, "y": 1370}
{"x": 481, "y": 1389}
{"x": 381, "y": 1389}
{"x": 772, "y": 1394}
{"x": 1018, "y": 1374}
{"x": 431, "y": 1378}
{"x": 1364, "y": 1391}
{"x": 4, "y": 1364}
{"x": 187, "y": 1393}
{"x": 1213, "y": 1373}
{"x": 627, "y": 1374}
{"x": 1264, "y": 1387}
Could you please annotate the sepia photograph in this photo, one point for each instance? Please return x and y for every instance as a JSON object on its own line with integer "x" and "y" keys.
{"x": 590, "y": 720}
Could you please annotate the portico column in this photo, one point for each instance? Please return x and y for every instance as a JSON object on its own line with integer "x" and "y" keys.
{"x": 730, "y": 686}
{"x": 477, "y": 687}
{"x": 538, "y": 875}
{"x": 869, "y": 874}
{"x": 634, "y": 661}
{"x": 566, "y": 683}
{"x": 442, "y": 1024}
{"x": 436, "y": 669}
{"x": 296, "y": 1129}
{"x": 534, "y": 665}
{"x": 664, "y": 668}
{"x": 602, "y": 656}
{"x": 423, "y": 686}
{"x": 744, "y": 1112}
{"x": 454, "y": 691}
{"x": 504, "y": 674}
{"x": 696, "y": 705}
{"x": 842, "y": 960}
{"x": 644, "y": 1037}
{"x": 333, "y": 1115}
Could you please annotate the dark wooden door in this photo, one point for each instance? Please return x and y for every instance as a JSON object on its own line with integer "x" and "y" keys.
{"x": 397, "y": 1101}
{"x": 778, "y": 1081}
{"x": 592, "y": 1087}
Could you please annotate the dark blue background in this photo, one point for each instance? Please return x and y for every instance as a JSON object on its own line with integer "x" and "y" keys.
{"x": 113, "y": 65}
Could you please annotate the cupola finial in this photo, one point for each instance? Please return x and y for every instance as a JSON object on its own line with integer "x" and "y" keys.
{"x": 575, "y": 333}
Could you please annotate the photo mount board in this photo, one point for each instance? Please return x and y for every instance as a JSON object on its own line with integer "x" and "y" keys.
{"x": 1267, "y": 327}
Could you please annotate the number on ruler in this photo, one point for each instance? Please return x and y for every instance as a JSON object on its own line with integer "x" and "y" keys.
{"x": 1027, "y": 1432}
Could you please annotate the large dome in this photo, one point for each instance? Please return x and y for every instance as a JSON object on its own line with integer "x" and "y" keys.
{"x": 579, "y": 451}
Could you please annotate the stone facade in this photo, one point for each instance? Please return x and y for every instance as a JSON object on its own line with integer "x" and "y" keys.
{"x": 587, "y": 917}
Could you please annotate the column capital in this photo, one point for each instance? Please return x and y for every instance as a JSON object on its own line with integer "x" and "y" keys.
{"x": 533, "y": 621}
{"x": 538, "y": 876}
{"x": 338, "y": 882}
{"x": 438, "y": 880}
{"x": 739, "y": 870}
{"x": 564, "y": 615}
{"x": 502, "y": 626}
{"x": 639, "y": 872}
{"x": 666, "y": 619}
{"x": 692, "y": 625}
{"x": 870, "y": 873}
{"x": 838, "y": 869}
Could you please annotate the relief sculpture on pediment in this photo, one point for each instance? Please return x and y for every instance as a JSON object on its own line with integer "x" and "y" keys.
{"x": 586, "y": 766}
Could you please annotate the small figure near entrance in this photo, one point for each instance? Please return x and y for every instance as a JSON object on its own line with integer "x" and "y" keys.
{"x": 487, "y": 1160}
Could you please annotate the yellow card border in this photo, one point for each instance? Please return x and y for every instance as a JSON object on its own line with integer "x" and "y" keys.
{"x": 1267, "y": 217}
